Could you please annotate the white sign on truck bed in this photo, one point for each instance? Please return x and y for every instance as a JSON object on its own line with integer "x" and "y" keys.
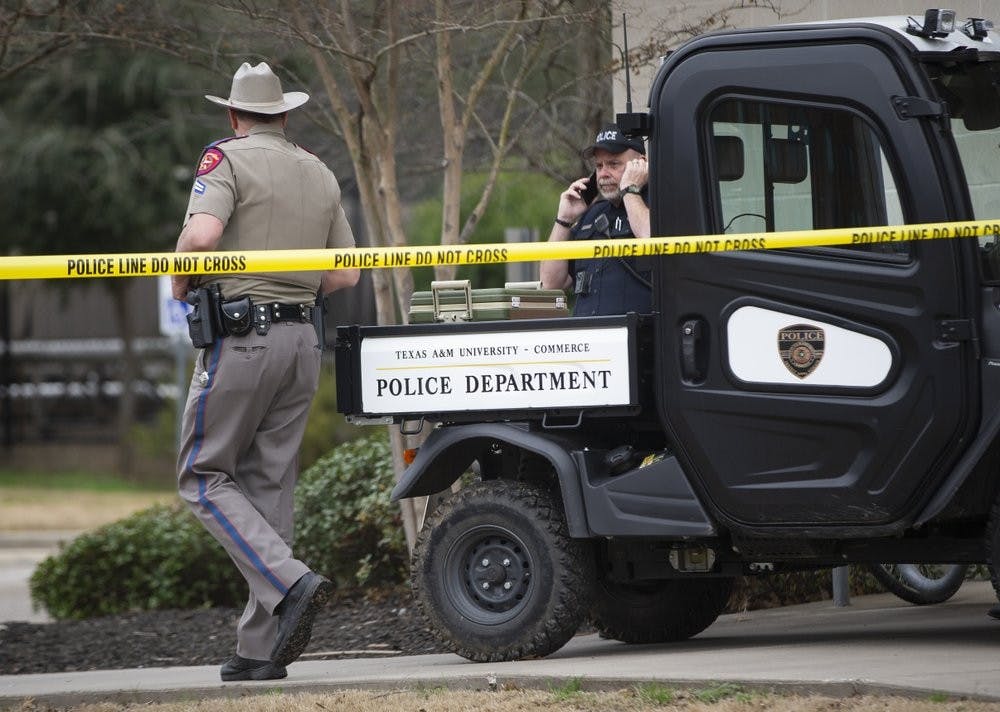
{"x": 552, "y": 364}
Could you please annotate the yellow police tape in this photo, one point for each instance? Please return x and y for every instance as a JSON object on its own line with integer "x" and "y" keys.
{"x": 152, "y": 264}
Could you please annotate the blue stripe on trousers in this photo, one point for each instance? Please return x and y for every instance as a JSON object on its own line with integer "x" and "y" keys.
{"x": 199, "y": 438}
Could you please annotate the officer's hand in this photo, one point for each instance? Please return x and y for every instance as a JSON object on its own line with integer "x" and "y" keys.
{"x": 571, "y": 205}
{"x": 180, "y": 285}
{"x": 636, "y": 173}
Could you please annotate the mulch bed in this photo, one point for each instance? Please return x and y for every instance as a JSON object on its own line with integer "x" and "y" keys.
{"x": 350, "y": 627}
{"x": 377, "y": 625}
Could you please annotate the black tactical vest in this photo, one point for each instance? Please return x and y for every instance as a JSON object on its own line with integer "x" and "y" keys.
{"x": 608, "y": 286}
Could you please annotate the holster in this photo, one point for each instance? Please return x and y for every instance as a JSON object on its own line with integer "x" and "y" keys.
{"x": 205, "y": 321}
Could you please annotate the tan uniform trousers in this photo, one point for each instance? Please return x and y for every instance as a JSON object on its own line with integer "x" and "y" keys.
{"x": 244, "y": 420}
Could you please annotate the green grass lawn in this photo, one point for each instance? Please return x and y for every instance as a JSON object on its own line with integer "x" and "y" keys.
{"x": 77, "y": 481}
{"x": 77, "y": 500}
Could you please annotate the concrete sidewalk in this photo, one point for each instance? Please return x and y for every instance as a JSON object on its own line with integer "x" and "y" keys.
{"x": 20, "y": 553}
{"x": 878, "y": 644}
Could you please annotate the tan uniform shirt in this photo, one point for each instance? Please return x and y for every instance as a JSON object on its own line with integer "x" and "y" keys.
{"x": 270, "y": 195}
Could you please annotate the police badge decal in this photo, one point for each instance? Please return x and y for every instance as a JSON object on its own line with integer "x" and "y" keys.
{"x": 800, "y": 348}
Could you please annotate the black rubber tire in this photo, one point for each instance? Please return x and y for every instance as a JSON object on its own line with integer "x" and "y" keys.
{"x": 658, "y": 611}
{"x": 502, "y": 532}
{"x": 918, "y": 584}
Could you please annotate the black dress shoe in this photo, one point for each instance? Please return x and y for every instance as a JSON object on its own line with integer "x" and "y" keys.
{"x": 239, "y": 668}
{"x": 994, "y": 612}
{"x": 296, "y": 614}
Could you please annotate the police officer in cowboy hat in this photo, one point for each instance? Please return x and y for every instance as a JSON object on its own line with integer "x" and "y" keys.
{"x": 251, "y": 388}
{"x": 619, "y": 210}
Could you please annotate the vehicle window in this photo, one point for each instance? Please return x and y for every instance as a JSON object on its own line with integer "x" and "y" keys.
{"x": 973, "y": 99}
{"x": 789, "y": 167}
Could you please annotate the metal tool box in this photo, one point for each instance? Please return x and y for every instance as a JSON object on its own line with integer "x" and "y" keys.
{"x": 455, "y": 300}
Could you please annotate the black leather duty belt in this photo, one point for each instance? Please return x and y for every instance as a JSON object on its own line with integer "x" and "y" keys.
{"x": 238, "y": 316}
{"x": 266, "y": 314}
{"x": 275, "y": 311}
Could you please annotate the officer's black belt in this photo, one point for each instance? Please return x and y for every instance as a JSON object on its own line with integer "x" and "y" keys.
{"x": 239, "y": 316}
{"x": 266, "y": 314}
{"x": 276, "y": 311}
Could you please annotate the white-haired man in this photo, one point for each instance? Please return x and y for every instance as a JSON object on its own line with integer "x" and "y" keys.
{"x": 618, "y": 210}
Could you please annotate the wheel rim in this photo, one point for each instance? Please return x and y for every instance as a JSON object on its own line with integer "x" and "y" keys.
{"x": 488, "y": 575}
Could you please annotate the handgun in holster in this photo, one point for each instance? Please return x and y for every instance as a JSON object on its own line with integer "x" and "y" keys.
{"x": 205, "y": 321}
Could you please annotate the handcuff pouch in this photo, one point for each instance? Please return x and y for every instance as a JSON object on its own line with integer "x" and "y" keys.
{"x": 237, "y": 316}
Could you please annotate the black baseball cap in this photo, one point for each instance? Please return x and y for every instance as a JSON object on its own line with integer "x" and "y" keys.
{"x": 612, "y": 140}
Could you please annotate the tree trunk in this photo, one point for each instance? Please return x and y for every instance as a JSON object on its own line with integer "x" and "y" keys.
{"x": 127, "y": 373}
{"x": 6, "y": 367}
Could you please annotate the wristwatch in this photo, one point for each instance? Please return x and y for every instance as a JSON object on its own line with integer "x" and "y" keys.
{"x": 632, "y": 189}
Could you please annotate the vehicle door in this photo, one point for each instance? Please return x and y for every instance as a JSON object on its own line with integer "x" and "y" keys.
{"x": 829, "y": 387}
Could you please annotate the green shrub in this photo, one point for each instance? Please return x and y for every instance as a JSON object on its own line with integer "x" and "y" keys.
{"x": 163, "y": 558}
{"x": 160, "y": 557}
{"x": 345, "y": 525}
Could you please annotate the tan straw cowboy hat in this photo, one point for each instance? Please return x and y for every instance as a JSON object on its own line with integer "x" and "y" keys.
{"x": 258, "y": 90}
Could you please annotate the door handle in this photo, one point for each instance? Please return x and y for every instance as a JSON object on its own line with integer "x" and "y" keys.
{"x": 693, "y": 351}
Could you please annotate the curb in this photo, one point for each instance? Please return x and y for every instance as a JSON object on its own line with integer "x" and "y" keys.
{"x": 486, "y": 683}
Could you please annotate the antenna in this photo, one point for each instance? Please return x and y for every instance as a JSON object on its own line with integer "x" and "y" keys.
{"x": 631, "y": 124}
{"x": 628, "y": 78}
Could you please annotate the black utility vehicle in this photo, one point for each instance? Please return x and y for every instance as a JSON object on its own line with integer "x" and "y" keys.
{"x": 777, "y": 410}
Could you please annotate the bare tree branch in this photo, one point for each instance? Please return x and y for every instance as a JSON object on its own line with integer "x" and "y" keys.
{"x": 29, "y": 46}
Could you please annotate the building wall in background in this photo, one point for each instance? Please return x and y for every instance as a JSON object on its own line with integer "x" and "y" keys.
{"x": 646, "y": 17}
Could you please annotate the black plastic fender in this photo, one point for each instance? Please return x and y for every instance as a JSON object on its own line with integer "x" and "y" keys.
{"x": 449, "y": 450}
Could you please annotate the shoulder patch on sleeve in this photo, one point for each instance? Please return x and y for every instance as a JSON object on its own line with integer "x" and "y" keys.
{"x": 209, "y": 160}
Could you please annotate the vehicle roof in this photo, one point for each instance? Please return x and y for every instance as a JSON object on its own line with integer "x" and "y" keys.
{"x": 956, "y": 40}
